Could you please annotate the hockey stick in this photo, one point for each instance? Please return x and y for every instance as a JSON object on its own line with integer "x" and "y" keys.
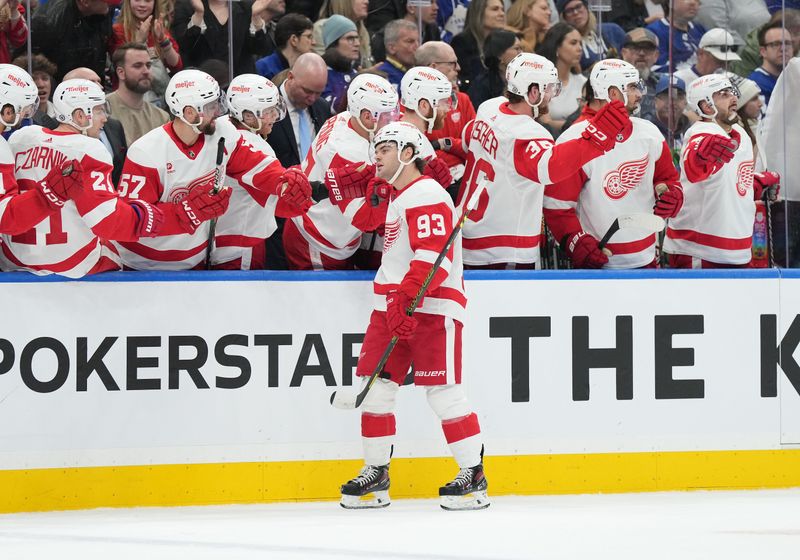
{"x": 643, "y": 221}
{"x": 212, "y": 227}
{"x": 350, "y": 401}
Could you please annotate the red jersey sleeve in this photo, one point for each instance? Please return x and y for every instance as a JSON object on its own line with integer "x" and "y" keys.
{"x": 19, "y": 211}
{"x": 665, "y": 171}
{"x": 544, "y": 162}
{"x": 253, "y": 168}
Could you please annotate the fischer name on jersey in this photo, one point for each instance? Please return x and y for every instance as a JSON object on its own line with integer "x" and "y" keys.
{"x": 419, "y": 219}
{"x": 716, "y": 221}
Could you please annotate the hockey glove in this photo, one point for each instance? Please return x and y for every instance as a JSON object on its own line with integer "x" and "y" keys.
{"x": 439, "y": 171}
{"x": 584, "y": 252}
{"x": 400, "y": 323}
{"x": 201, "y": 205}
{"x": 378, "y": 192}
{"x": 611, "y": 120}
{"x": 669, "y": 203}
{"x": 348, "y": 182}
{"x": 62, "y": 183}
{"x": 151, "y": 218}
{"x": 295, "y": 189}
{"x": 716, "y": 148}
{"x": 766, "y": 186}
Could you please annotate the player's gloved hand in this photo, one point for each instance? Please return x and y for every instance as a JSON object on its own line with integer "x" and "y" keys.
{"x": 670, "y": 202}
{"x": 766, "y": 186}
{"x": 400, "y": 323}
{"x": 584, "y": 252}
{"x": 439, "y": 171}
{"x": 295, "y": 190}
{"x": 201, "y": 205}
{"x": 612, "y": 119}
{"x": 62, "y": 183}
{"x": 716, "y": 148}
{"x": 443, "y": 144}
{"x": 151, "y": 218}
{"x": 348, "y": 182}
{"x": 378, "y": 191}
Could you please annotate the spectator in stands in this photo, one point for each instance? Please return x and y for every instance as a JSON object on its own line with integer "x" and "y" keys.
{"x": 73, "y": 33}
{"x": 401, "y": 39}
{"x": 563, "y": 45}
{"x": 629, "y": 15}
{"x": 661, "y": 115}
{"x": 342, "y": 55}
{"x": 308, "y": 8}
{"x": 275, "y": 11}
{"x": 596, "y": 44}
{"x": 532, "y": 19}
{"x": 482, "y": 17}
{"x": 42, "y": 72}
{"x": 776, "y": 50}
{"x": 735, "y": 16}
{"x": 715, "y": 51}
{"x": 132, "y": 66}
{"x": 293, "y": 36}
{"x": 750, "y": 54}
{"x": 641, "y": 50}
{"x": 430, "y": 31}
{"x": 750, "y": 107}
{"x": 686, "y": 34}
{"x": 500, "y": 48}
{"x": 13, "y": 31}
{"x": 354, "y": 10}
{"x": 201, "y": 29}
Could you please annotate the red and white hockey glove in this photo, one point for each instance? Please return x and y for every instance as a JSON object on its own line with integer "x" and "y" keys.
{"x": 201, "y": 205}
{"x": 766, "y": 186}
{"x": 378, "y": 192}
{"x": 670, "y": 202}
{"x": 151, "y": 218}
{"x": 348, "y": 182}
{"x": 439, "y": 171}
{"x": 400, "y": 323}
{"x": 716, "y": 148}
{"x": 62, "y": 183}
{"x": 611, "y": 120}
{"x": 295, "y": 189}
{"x": 584, "y": 252}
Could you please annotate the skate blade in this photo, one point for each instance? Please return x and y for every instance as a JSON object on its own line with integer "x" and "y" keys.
{"x": 373, "y": 500}
{"x": 475, "y": 500}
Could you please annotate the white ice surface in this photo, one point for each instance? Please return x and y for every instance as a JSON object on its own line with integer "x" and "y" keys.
{"x": 681, "y": 525}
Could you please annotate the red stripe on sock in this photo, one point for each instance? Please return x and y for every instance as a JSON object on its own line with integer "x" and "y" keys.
{"x": 457, "y": 429}
{"x": 377, "y": 425}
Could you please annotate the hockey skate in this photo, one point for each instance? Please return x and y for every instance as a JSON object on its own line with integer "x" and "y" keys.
{"x": 370, "y": 489}
{"x": 466, "y": 491}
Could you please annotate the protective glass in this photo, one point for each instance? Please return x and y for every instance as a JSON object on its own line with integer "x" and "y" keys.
{"x": 634, "y": 86}
{"x": 29, "y": 110}
{"x": 215, "y": 108}
{"x": 275, "y": 114}
{"x": 553, "y": 88}
{"x": 449, "y": 103}
{"x": 101, "y": 110}
{"x": 732, "y": 91}
{"x": 387, "y": 117}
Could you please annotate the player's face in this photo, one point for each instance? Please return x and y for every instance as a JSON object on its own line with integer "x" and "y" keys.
{"x": 634, "y": 91}
{"x": 386, "y": 162}
{"x": 99, "y": 119}
{"x": 726, "y": 103}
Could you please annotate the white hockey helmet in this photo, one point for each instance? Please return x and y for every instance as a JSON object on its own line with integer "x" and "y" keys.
{"x": 613, "y": 72}
{"x": 403, "y": 134}
{"x": 704, "y": 88}
{"x": 71, "y": 95}
{"x": 196, "y": 89}
{"x": 375, "y": 94}
{"x": 254, "y": 93}
{"x": 18, "y": 89}
{"x": 422, "y": 82}
{"x": 527, "y": 69}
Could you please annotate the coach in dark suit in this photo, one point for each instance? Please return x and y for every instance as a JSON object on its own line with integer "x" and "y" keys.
{"x": 291, "y": 137}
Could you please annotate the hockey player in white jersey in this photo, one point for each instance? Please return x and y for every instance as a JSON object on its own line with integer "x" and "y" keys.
{"x": 627, "y": 179}
{"x": 21, "y": 210}
{"x": 419, "y": 217}
{"x": 507, "y": 147}
{"x": 255, "y": 105}
{"x": 74, "y": 239}
{"x": 714, "y": 228}
{"x": 176, "y": 164}
{"x": 324, "y": 238}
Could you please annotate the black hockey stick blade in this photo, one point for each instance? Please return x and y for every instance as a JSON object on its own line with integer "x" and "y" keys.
{"x": 643, "y": 221}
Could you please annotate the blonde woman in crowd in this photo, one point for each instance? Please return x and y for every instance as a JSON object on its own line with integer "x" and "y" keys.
{"x": 482, "y": 17}
{"x": 532, "y": 19}
{"x": 355, "y": 11}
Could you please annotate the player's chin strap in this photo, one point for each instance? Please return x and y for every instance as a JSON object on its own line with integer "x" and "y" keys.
{"x": 431, "y": 121}
{"x": 401, "y": 166}
{"x": 370, "y": 131}
{"x": 535, "y": 106}
{"x": 196, "y": 127}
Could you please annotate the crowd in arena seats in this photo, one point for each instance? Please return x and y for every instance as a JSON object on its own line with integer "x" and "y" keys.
{"x": 312, "y": 50}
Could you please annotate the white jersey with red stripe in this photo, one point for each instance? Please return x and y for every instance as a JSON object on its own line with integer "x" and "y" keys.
{"x": 506, "y": 225}
{"x": 250, "y": 217}
{"x": 326, "y": 228}
{"x": 619, "y": 182}
{"x": 419, "y": 219}
{"x": 716, "y": 221}
{"x": 160, "y": 168}
{"x": 68, "y": 242}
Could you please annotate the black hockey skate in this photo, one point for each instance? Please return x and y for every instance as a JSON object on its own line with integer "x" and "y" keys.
{"x": 370, "y": 489}
{"x": 466, "y": 491}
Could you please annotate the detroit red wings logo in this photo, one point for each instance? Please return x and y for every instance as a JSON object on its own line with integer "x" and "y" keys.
{"x": 627, "y": 176}
{"x": 390, "y": 234}
{"x": 744, "y": 177}
{"x": 179, "y": 193}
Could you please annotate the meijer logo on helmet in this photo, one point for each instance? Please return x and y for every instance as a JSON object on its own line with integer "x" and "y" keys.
{"x": 16, "y": 80}
{"x": 77, "y": 89}
{"x": 240, "y": 89}
{"x": 428, "y": 76}
{"x": 184, "y": 84}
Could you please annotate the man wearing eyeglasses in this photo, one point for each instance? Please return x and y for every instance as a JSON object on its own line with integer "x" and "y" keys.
{"x": 715, "y": 53}
{"x": 293, "y": 37}
{"x": 776, "y": 50}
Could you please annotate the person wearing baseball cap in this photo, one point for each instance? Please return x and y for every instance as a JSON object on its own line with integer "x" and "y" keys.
{"x": 641, "y": 49}
{"x": 715, "y": 51}
{"x": 660, "y": 117}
